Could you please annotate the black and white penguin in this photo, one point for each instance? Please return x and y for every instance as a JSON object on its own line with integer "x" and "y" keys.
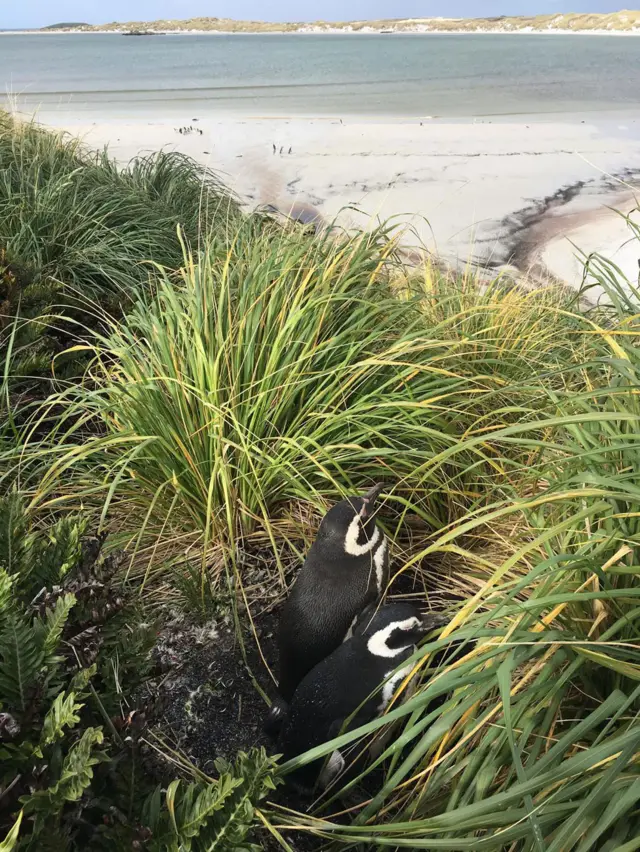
{"x": 352, "y": 686}
{"x": 346, "y": 569}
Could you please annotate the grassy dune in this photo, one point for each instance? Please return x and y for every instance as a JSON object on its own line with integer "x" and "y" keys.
{"x": 624, "y": 21}
{"x": 244, "y": 385}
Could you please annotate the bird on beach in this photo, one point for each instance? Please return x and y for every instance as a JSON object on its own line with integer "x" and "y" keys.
{"x": 345, "y": 570}
{"x": 352, "y": 686}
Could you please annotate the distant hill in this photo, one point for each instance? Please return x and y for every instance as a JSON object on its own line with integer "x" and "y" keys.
{"x": 67, "y": 26}
{"x": 625, "y": 21}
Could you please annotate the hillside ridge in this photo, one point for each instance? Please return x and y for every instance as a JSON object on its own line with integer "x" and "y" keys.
{"x": 623, "y": 21}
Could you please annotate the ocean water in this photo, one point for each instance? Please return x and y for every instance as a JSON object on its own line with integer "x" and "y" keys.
{"x": 92, "y": 76}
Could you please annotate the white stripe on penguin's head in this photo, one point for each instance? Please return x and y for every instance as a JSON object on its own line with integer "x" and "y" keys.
{"x": 377, "y": 644}
{"x": 379, "y": 558}
{"x": 351, "y": 545}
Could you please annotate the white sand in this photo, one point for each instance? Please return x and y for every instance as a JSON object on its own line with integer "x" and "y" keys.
{"x": 458, "y": 184}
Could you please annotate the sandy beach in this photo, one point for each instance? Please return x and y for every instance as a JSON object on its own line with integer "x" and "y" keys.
{"x": 529, "y": 193}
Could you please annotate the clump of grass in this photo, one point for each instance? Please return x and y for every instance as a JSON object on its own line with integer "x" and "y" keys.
{"x": 270, "y": 370}
{"x": 71, "y": 215}
{"x": 276, "y": 369}
{"x": 537, "y": 743}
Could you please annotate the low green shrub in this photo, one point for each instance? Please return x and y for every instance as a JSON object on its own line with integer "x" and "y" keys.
{"x": 72, "y": 652}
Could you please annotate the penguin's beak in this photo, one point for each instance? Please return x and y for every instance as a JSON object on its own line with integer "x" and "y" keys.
{"x": 370, "y": 498}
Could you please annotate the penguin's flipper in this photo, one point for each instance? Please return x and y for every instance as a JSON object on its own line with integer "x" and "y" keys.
{"x": 275, "y": 718}
{"x": 333, "y": 767}
{"x": 334, "y": 763}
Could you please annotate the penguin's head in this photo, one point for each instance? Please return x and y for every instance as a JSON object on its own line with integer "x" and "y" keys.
{"x": 394, "y": 627}
{"x": 350, "y": 525}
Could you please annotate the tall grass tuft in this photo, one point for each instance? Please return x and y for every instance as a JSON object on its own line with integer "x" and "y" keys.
{"x": 71, "y": 215}
{"x": 279, "y": 368}
{"x": 535, "y": 744}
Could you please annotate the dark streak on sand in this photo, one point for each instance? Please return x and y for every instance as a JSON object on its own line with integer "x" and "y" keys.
{"x": 467, "y": 155}
{"x": 526, "y": 231}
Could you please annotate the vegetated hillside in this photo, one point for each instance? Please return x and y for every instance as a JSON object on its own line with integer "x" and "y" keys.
{"x": 624, "y": 21}
{"x": 65, "y": 25}
{"x": 250, "y": 373}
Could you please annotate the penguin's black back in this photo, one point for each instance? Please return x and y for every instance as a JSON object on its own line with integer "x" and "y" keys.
{"x": 326, "y": 598}
{"x": 332, "y": 691}
{"x": 345, "y": 683}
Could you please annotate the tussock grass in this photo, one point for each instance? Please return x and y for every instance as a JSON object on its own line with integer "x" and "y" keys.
{"x": 279, "y": 368}
{"x": 70, "y": 214}
{"x": 537, "y": 744}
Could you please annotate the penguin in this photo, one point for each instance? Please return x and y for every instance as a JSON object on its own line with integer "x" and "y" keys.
{"x": 346, "y": 569}
{"x": 352, "y": 686}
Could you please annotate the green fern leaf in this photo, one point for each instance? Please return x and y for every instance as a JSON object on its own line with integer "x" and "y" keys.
{"x": 58, "y": 552}
{"x": 257, "y": 770}
{"x": 197, "y": 810}
{"x": 21, "y": 659}
{"x": 55, "y": 620}
{"x": 81, "y": 679}
{"x": 16, "y": 540}
{"x": 6, "y": 600}
{"x": 75, "y": 777}
{"x": 63, "y": 714}
{"x": 217, "y": 816}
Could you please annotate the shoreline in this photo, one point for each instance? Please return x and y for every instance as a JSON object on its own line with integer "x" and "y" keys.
{"x": 500, "y": 196}
{"x": 326, "y": 31}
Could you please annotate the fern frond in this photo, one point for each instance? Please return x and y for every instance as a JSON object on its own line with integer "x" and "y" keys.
{"x": 81, "y": 679}
{"x": 213, "y": 818}
{"x": 198, "y": 808}
{"x": 6, "y": 600}
{"x": 16, "y": 539}
{"x": 257, "y": 771}
{"x": 21, "y": 659}
{"x": 54, "y": 623}
{"x": 75, "y": 777}
{"x": 63, "y": 714}
{"x": 58, "y": 551}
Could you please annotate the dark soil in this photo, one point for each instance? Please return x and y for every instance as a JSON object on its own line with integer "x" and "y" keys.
{"x": 206, "y": 702}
